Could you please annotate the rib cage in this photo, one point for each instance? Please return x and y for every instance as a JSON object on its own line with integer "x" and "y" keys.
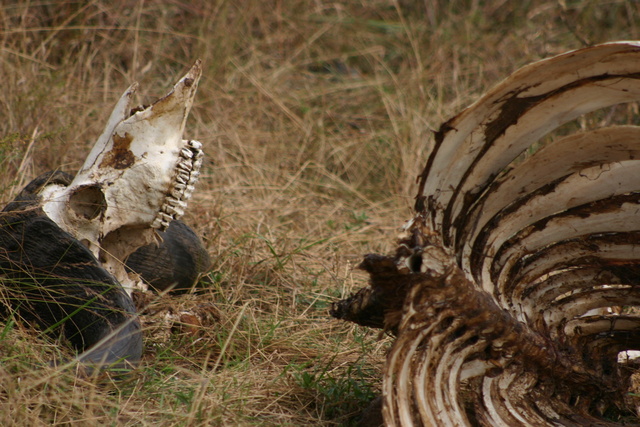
{"x": 520, "y": 277}
{"x": 548, "y": 237}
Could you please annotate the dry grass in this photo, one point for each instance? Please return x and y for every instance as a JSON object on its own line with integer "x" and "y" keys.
{"x": 316, "y": 117}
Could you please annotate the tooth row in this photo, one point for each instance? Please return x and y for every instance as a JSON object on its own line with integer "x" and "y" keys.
{"x": 187, "y": 173}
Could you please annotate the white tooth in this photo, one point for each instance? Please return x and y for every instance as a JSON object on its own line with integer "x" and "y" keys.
{"x": 197, "y": 164}
{"x": 169, "y": 202}
{"x": 199, "y": 154}
{"x": 193, "y": 177}
{"x": 186, "y": 196}
{"x": 184, "y": 177}
{"x": 156, "y": 222}
{"x": 195, "y": 144}
{"x": 176, "y": 203}
{"x": 178, "y": 191}
{"x": 186, "y": 153}
{"x": 174, "y": 211}
{"x": 185, "y": 166}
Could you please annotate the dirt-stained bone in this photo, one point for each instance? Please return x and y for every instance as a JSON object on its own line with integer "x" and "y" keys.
{"x": 514, "y": 294}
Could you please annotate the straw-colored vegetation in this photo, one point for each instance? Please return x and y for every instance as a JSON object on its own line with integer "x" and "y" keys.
{"x": 315, "y": 117}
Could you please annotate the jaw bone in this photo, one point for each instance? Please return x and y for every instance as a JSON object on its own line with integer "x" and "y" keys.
{"x": 136, "y": 179}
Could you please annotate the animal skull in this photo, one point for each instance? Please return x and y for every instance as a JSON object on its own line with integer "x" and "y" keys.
{"x": 136, "y": 179}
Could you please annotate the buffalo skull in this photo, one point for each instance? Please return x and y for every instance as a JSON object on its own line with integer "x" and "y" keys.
{"x": 136, "y": 179}
{"x": 64, "y": 240}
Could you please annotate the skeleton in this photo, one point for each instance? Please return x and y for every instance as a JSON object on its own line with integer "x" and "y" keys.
{"x": 504, "y": 291}
{"x": 64, "y": 241}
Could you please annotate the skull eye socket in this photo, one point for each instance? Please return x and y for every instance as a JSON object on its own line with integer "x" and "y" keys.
{"x": 88, "y": 202}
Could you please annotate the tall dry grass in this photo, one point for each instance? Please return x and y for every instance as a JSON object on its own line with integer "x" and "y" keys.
{"x": 316, "y": 117}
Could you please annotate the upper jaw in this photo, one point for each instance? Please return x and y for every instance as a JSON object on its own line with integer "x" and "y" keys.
{"x": 128, "y": 136}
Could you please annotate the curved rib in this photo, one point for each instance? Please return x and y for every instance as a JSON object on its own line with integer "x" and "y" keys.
{"x": 552, "y": 162}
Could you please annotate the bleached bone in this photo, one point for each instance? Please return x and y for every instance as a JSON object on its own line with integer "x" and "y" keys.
{"x": 504, "y": 292}
{"x": 136, "y": 179}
